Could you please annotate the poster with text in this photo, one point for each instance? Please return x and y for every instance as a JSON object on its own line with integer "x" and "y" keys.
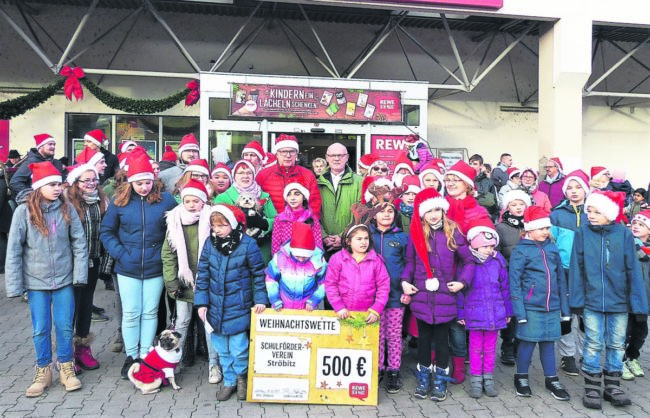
{"x": 388, "y": 148}
{"x": 313, "y": 357}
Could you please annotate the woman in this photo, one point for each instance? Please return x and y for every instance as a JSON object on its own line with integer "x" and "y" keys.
{"x": 133, "y": 232}
{"x": 221, "y": 179}
{"x": 197, "y": 170}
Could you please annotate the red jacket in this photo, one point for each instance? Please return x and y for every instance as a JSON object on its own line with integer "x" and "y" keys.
{"x": 273, "y": 179}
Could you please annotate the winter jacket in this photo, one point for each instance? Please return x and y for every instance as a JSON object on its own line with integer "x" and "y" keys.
{"x": 537, "y": 279}
{"x": 170, "y": 176}
{"x": 499, "y": 175}
{"x": 605, "y": 275}
{"x": 423, "y": 153}
{"x": 509, "y": 237}
{"x": 169, "y": 259}
{"x": 164, "y": 165}
{"x": 391, "y": 245}
{"x": 634, "y": 208}
{"x": 505, "y": 189}
{"x": 230, "y": 285}
{"x": 336, "y": 213}
{"x": 463, "y": 211}
{"x": 539, "y": 198}
{"x": 112, "y": 165}
{"x": 273, "y": 179}
{"x": 283, "y": 227}
{"x": 6, "y": 212}
{"x": 134, "y": 235}
{"x": 486, "y": 303}
{"x": 38, "y": 262}
{"x": 623, "y": 186}
{"x": 553, "y": 189}
{"x": 565, "y": 220}
{"x": 440, "y": 306}
{"x": 487, "y": 196}
{"x": 356, "y": 286}
{"x": 22, "y": 178}
{"x": 291, "y": 284}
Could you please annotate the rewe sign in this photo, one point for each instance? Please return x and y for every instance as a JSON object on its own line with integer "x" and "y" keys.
{"x": 387, "y": 147}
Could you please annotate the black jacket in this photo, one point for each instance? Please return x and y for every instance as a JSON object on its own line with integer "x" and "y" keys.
{"x": 22, "y": 178}
{"x": 112, "y": 165}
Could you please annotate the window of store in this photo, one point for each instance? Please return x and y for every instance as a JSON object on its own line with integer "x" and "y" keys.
{"x": 232, "y": 141}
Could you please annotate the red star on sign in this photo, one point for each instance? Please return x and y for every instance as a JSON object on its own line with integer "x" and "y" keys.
{"x": 323, "y": 385}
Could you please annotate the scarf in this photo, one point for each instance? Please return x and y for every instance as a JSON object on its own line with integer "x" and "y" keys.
{"x": 480, "y": 257}
{"x": 642, "y": 249}
{"x": 91, "y": 198}
{"x": 516, "y": 221}
{"x": 301, "y": 215}
{"x": 436, "y": 226}
{"x": 406, "y": 209}
{"x": 176, "y": 219}
{"x": 254, "y": 188}
{"x": 227, "y": 244}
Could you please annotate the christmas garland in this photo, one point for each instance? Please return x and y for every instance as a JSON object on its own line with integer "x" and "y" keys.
{"x": 16, "y": 107}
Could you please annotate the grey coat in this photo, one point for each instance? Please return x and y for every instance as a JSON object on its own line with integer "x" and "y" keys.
{"x": 38, "y": 262}
{"x": 170, "y": 176}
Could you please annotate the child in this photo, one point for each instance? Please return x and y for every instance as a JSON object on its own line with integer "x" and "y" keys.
{"x": 606, "y": 284}
{"x": 418, "y": 150}
{"x": 538, "y": 289}
{"x": 485, "y": 307}
{"x": 637, "y": 205}
{"x": 295, "y": 277}
{"x": 47, "y": 255}
{"x": 390, "y": 242}
{"x": 296, "y": 195}
{"x": 411, "y": 186}
{"x": 637, "y": 332}
{"x": 229, "y": 282}
{"x": 438, "y": 265}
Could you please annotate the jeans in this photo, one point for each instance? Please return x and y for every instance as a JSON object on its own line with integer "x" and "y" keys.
{"x": 45, "y": 306}
{"x": 140, "y": 299}
{"x": 608, "y": 329}
{"x": 233, "y": 353}
{"x": 457, "y": 339}
{"x": 482, "y": 351}
{"x": 83, "y": 301}
{"x": 183, "y": 316}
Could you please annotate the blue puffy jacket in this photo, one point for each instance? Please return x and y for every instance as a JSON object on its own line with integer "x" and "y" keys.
{"x": 565, "y": 220}
{"x": 391, "y": 245}
{"x": 230, "y": 285}
{"x": 605, "y": 275}
{"x": 537, "y": 280}
{"x": 134, "y": 234}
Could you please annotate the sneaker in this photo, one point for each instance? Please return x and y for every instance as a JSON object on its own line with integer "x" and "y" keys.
{"x": 99, "y": 317}
{"x": 393, "y": 382}
{"x": 557, "y": 390}
{"x": 98, "y": 309}
{"x": 522, "y": 387}
{"x": 24, "y": 298}
{"x": 635, "y": 367}
{"x": 569, "y": 366}
{"x": 507, "y": 358}
{"x": 126, "y": 366}
{"x": 627, "y": 373}
{"x": 216, "y": 374}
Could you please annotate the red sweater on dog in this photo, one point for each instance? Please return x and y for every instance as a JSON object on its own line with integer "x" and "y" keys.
{"x": 158, "y": 364}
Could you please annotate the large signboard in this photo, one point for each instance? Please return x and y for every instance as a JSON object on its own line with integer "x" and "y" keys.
{"x": 388, "y": 147}
{"x": 315, "y": 103}
{"x": 313, "y": 357}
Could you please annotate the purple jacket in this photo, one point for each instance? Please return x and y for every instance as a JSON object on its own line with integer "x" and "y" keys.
{"x": 487, "y": 301}
{"x": 440, "y": 306}
{"x": 553, "y": 190}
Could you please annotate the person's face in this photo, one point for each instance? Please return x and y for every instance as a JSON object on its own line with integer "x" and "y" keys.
{"x": 640, "y": 230}
{"x": 90, "y": 144}
{"x": 51, "y": 191}
{"x": 637, "y": 198}
{"x": 595, "y": 217}
{"x": 295, "y": 199}
{"x": 48, "y": 150}
{"x": 189, "y": 155}
{"x": 301, "y": 259}
{"x": 408, "y": 198}
{"x": 507, "y": 161}
{"x": 318, "y": 167}
{"x": 403, "y": 171}
{"x": 527, "y": 179}
{"x": 386, "y": 217}
{"x": 286, "y": 157}
{"x": 252, "y": 158}
{"x": 337, "y": 157}
{"x": 455, "y": 187}
{"x": 575, "y": 193}
{"x": 101, "y": 166}
{"x": 244, "y": 176}
{"x": 551, "y": 169}
{"x": 515, "y": 180}
{"x": 517, "y": 207}
{"x": 539, "y": 235}
{"x": 221, "y": 229}
{"x": 379, "y": 170}
{"x": 362, "y": 171}
{"x": 430, "y": 181}
{"x": 221, "y": 180}
{"x": 433, "y": 217}
{"x": 486, "y": 250}
{"x": 154, "y": 166}
{"x": 88, "y": 182}
{"x": 192, "y": 204}
{"x": 14, "y": 160}
{"x": 142, "y": 187}
{"x": 130, "y": 148}
{"x": 203, "y": 178}
{"x": 359, "y": 242}
{"x": 476, "y": 165}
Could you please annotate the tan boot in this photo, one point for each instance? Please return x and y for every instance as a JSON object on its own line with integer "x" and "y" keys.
{"x": 68, "y": 377}
{"x": 42, "y": 380}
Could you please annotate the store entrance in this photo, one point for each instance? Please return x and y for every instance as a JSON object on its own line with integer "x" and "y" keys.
{"x": 314, "y": 145}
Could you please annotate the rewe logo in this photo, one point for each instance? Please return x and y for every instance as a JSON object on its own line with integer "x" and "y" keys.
{"x": 383, "y": 144}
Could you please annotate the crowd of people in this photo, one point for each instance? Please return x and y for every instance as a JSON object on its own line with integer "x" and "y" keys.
{"x": 447, "y": 257}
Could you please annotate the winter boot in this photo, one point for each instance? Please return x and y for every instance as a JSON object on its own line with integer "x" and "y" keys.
{"x": 613, "y": 392}
{"x": 593, "y": 392}
{"x": 201, "y": 343}
{"x": 440, "y": 380}
{"x": 118, "y": 343}
{"x": 556, "y": 388}
{"x": 423, "y": 375}
{"x": 188, "y": 348}
{"x": 459, "y": 370}
{"x": 489, "y": 386}
{"x": 522, "y": 387}
{"x": 67, "y": 376}
{"x": 42, "y": 380}
{"x": 242, "y": 387}
{"x": 393, "y": 382}
{"x": 83, "y": 355}
{"x": 476, "y": 388}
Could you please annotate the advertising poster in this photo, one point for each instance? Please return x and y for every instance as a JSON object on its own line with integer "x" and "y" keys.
{"x": 313, "y": 357}
{"x": 4, "y": 139}
{"x": 388, "y": 147}
{"x": 314, "y": 103}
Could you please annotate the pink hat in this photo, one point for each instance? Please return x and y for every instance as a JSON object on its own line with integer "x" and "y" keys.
{"x": 366, "y": 161}
{"x": 411, "y": 183}
{"x": 536, "y": 217}
{"x": 513, "y": 172}
{"x": 233, "y": 214}
{"x": 463, "y": 171}
{"x": 195, "y": 188}
{"x": 557, "y": 162}
{"x": 412, "y": 139}
{"x": 44, "y": 173}
{"x": 222, "y": 168}
{"x": 609, "y": 204}
{"x": 89, "y": 156}
{"x": 598, "y": 171}
{"x": 188, "y": 143}
{"x": 285, "y": 141}
{"x": 516, "y": 194}
{"x": 127, "y": 144}
{"x": 97, "y": 137}
{"x": 139, "y": 167}
{"x": 643, "y": 217}
{"x": 254, "y": 147}
{"x": 42, "y": 139}
{"x": 169, "y": 154}
{"x": 75, "y": 171}
{"x": 481, "y": 232}
{"x": 296, "y": 184}
{"x": 302, "y": 240}
{"x": 579, "y": 177}
{"x": 199, "y": 165}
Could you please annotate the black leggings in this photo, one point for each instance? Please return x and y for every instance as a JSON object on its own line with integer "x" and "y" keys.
{"x": 637, "y": 332}
{"x": 437, "y": 333}
{"x": 83, "y": 301}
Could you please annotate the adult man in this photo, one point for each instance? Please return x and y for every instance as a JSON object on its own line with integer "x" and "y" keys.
{"x": 188, "y": 151}
{"x": 486, "y": 191}
{"x": 254, "y": 153}
{"x": 44, "y": 151}
{"x": 500, "y": 172}
{"x": 318, "y": 165}
{"x": 274, "y": 178}
{"x": 553, "y": 182}
{"x": 96, "y": 141}
{"x": 12, "y": 158}
{"x": 340, "y": 188}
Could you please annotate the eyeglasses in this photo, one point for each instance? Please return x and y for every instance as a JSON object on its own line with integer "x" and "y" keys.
{"x": 88, "y": 182}
{"x": 287, "y": 152}
{"x": 382, "y": 169}
{"x": 198, "y": 176}
{"x": 450, "y": 180}
{"x": 337, "y": 156}
{"x": 528, "y": 177}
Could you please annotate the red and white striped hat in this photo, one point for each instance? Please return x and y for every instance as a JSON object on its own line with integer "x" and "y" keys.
{"x": 44, "y": 173}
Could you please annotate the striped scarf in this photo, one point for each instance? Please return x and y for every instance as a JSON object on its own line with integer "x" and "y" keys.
{"x": 91, "y": 224}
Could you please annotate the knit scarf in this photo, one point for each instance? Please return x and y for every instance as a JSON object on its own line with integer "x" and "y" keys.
{"x": 254, "y": 189}
{"x": 436, "y": 226}
{"x": 227, "y": 244}
{"x": 480, "y": 257}
{"x": 516, "y": 221}
{"x": 642, "y": 249}
{"x": 176, "y": 219}
{"x": 406, "y": 209}
{"x": 92, "y": 197}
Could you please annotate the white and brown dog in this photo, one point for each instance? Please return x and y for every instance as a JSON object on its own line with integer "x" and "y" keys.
{"x": 158, "y": 365}
{"x": 249, "y": 204}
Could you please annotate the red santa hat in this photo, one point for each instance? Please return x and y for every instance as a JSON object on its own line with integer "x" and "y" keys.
{"x": 89, "y": 156}
{"x": 557, "y": 162}
{"x": 199, "y": 165}
{"x": 425, "y": 201}
{"x": 44, "y": 173}
{"x": 222, "y": 168}
{"x": 441, "y": 164}
{"x": 188, "y": 143}
{"x": 579, "y": 177}
{"x": 402, "y": 161}
{"x": 366, "y": 161}
{"x": 431, "y": 168}
{"x": 122, "y": 158}
{"x": 195, "y": 188}
{"x": 127, "y": 144}
{"x": 270, "y": 160}
{"x": 285, "y": 141}
{"x": 366, "y": 196}
{"x": 139, "y": 167}
{"x": 412, "y": 139}
{"x": 481, "y": 232}
{"x": 513, "y": 172}
{"x": 75, "y": 171}
{"x": 169, "y": 154}
{"x": 97, "y": 137}
{"x": 536, "y": 217}
{"x": 302, "y": 240}
{"x": 254, "y": 147}
{"x": 297, "y": 184}
{"x": 643, "y": 217}
{"x": 233, "y": 214}
{"x": 516, "y": 194}
{"x": 42, "y": 139}
{"x": 532, "y": 171}
{"x": 463, "y": 171}
{"x": 609, "y": 204}
{"x": 240, "y": 163}
{"x": 599, "y": 171}
{"x": 411, "y": 184}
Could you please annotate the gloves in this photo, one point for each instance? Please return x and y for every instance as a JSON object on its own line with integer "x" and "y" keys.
{"x": 641, "y": 318}
{"x": 257, "y": 221}
{"x": 577, "y": 311}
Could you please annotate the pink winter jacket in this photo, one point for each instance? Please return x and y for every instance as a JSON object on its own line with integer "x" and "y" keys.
{"x": 357, "y": 286}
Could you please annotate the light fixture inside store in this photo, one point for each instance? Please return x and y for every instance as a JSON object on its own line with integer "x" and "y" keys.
{"x": 520, "y": 109}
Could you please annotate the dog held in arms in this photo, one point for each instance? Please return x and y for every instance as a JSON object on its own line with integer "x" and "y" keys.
{"x": 158, "y": 366}
{"x": 249, "y": 204}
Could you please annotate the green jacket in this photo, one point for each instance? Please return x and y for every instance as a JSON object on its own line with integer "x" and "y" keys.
{"x": 170, "y": 262}
{"x": 336, "y": 208}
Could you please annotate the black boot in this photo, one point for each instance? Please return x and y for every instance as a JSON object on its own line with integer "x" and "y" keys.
{"x": 188, "y": 348}
{"x": 201, "y": 343}
{"x": 613, "y": 392}
{"x": 593, "y": 392}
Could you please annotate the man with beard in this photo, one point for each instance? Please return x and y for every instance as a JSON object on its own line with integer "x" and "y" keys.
{"x": 188, "y": 151}
{"x": 44, "y": 151}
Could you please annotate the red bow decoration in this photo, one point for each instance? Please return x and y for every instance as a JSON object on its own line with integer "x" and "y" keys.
{"x": 72, "y": 85}
{"x": 194, "y": 95}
